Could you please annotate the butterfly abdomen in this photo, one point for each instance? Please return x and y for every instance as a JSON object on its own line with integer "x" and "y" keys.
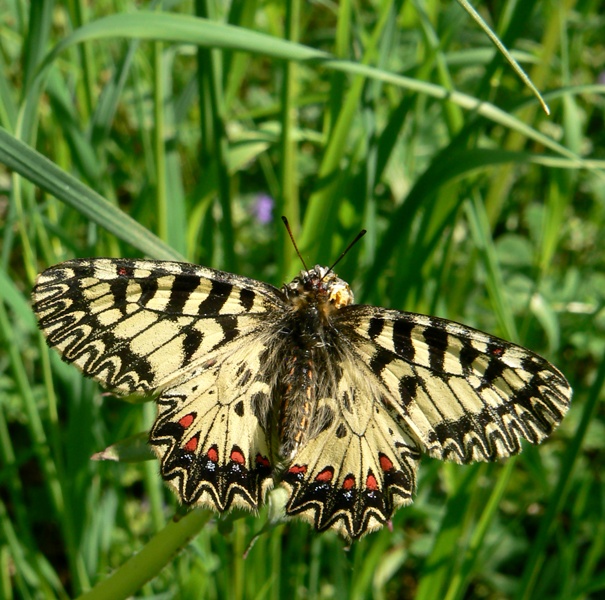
{"x": 314, "y": 297}
{"x": 303, "y": 338}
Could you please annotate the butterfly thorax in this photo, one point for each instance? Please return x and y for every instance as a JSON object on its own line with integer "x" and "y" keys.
{"x": 314, "y": 296}
{"x": 318, "y": 290}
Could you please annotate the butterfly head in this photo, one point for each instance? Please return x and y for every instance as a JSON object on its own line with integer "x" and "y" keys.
{"x": 318, "y": 287}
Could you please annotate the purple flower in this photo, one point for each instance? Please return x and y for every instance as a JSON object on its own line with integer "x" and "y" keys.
{"x": 263, "y": 208}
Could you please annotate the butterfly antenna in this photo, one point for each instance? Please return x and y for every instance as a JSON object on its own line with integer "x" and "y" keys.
{"x": 357, "y": 238}
{"x": 302, "y": 260}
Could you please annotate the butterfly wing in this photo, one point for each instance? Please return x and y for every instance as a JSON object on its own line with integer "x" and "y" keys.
{"x": 463, "y": 394}
{"x": 211, "y": 434}
{"x": 137, "y": 326}
{"x": 355, "y": 473}
{"x": 191, "y": 334}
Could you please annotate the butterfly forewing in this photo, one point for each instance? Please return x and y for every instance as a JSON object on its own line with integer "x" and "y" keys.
{"x": 297, "y": 387}
{"x": 138, "y": 326}
{"x": 465, "y": 395}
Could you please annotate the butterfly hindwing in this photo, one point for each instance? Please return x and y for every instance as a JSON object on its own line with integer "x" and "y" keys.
{"x": 353, "y": 475}
{"x": 209, "y": 435}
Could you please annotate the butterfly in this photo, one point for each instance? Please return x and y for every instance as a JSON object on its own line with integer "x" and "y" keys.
{"x": 296, "y": 387}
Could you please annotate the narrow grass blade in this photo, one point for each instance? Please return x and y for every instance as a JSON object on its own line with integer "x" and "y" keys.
{"x": 561, "y": 490}
{"x": 145, "y": 565}
{"x": 45, "y": 174}
{"x": 507, "y": 55}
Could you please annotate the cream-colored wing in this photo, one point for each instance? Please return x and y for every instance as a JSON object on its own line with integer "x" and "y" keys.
{"x": 463, "y": 394}
{"x": 353, "y": 475}
{"x": 193, "y": 335}
{"x": 211, "y": 433}
{"x": 140, "y": 325}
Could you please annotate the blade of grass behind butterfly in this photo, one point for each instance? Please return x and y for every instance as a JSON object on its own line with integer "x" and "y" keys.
{"x": 86, "y": 84}
{"x": 105, "y": 109}
{"x": 570, "y": 555}
{"x": 236, "y": 64}
{"x": 481, "y": 234}
{"x": 213, "y": 135}
{"x": 589, "y": 565}
{"x": 453, "y": 115}
{"x": 153, "y": 557}
{"x": 448, "y": 165}
{"x": 515, "y": 140}
{"x": 369, "y": 558}
{"x": 288, "y": 200}
{"x": 458, "y": 584}
{"x": 41, "y": 445}
{"x": 538, "y": 554}
{"x": 443, "y": 558}
{"x": 29, "y": 567}
{"x": 382, "y": 149}
{"x": 560, "y": 192}
{"x": 166, "y": 175}
{"x": 368, "y": 159}
{"x": 433, "y": 227}
{"x": 180, "y": 28}
{"x": 45, "y": 174}
{"x": 24, "y": 568}
{"x": 512, "y": 20}
{"x": 174, "y": 194}
{"x": 8, "y": 102}
{"x": 86, "y": 158}
{"x": 503, "y": 50}
{"x": 323, "y": 204}
{"x": 36, "y": 41}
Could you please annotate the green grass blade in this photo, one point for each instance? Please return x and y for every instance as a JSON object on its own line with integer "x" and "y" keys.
{"x": 504, "y": 51}
{"x": 184, "y": 29}
{"x": 537, "y": 555}
{"x": 45, "y": 174}
{"x": 146, "y": 564}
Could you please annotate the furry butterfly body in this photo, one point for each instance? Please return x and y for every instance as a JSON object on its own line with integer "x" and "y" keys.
{"x": 258, "y": 386}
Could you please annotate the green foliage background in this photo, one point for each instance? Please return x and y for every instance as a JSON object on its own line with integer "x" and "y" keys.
{"x": 147, "y": 129}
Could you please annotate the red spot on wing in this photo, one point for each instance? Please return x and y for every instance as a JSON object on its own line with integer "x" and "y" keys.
{"x": 191, "y": 445}
{"x": 237, "y": 456}
{"x": 186, "y": 420}
{"x": 385, "y": 463}
{"x": 262, "y": 460}
{"x": 325, "y": 475}
{"x": 296, "y": 469}
{"x": 349, "y": 482}
{"x": 371, "y": 482}
{"x": 497, "y": 351}
{"x": 122, "y": 271}
{"x": 212, "y": 454}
